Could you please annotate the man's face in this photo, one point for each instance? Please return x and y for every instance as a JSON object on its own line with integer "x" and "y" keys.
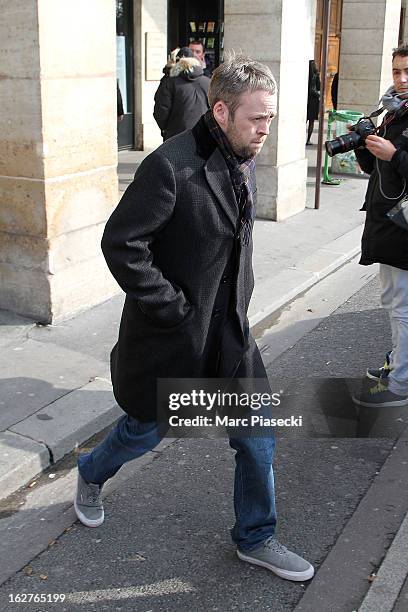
{"x": 248, "y": 130}
{"x": 198, "y": 51}
{"x": 400, "y": 74}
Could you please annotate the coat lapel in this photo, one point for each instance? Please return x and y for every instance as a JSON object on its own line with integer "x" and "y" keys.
{"x": 218, "y": 177}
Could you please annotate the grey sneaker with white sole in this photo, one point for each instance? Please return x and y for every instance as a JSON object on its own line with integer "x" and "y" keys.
{"x": 274, "y": 556}
{"x": 88, "y": 503}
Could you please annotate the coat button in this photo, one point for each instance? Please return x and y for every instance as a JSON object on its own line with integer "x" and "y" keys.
{"x": 224, "y": 279}
{"x": 216, "y": 313}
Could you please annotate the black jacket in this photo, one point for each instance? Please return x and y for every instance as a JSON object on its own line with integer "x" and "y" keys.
{"x": 119, "y": 101}
{"x": 383, "y": 241}
{"x": 181, "y": 98}
{"x": 172, "y": 246}
{"x": 313, "y": 92}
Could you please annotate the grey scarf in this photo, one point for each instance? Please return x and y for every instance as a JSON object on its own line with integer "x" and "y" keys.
{"x": 392, "y": 101}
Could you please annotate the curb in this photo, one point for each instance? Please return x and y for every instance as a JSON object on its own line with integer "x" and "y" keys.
{"x": 21, "y": 459}
{"x": 32, "y": 445}
{"x": 363, "y": 542}
{"x": 391, "y": 576}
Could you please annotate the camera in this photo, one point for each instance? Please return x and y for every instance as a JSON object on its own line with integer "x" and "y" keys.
{"x": 356, "y": 138}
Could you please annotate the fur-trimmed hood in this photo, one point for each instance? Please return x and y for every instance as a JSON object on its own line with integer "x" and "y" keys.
{"x": 187, "y": 67}
{"x": 168, "y": 67}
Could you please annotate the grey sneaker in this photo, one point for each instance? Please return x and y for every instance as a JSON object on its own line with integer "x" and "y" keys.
{"x": 88, "y": 503}
{"x": 379, "y": 397}
{"x": 277, "y": 558}
{"x": 380, "y": 373}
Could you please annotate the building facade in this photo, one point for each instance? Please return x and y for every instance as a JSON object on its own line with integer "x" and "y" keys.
{"x": 60, "y": 64}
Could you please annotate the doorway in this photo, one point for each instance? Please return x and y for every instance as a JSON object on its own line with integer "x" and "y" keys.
{"x": 190, "y": 20}
{"x": 334, "y": 43}
{"x": 125, "y": 72}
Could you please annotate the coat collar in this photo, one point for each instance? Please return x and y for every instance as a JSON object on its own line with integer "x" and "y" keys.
{"x": 216, "y": 171}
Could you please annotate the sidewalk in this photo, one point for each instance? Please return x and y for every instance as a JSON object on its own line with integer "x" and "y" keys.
{"x": 55, "y": 381}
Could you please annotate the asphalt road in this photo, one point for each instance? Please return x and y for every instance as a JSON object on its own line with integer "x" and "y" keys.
{"x": 165, "y": 543}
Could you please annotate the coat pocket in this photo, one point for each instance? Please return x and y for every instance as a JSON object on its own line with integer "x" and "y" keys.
{"x": 152, "y": 320}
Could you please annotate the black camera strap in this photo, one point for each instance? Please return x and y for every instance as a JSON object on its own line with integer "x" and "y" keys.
{"x": 389, "y": 117}
{"x": 376, "y": 113}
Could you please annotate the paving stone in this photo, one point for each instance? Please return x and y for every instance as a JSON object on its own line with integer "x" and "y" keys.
{"x": 72, "y": 419}
{"x": 21, "y": 458}
{"x": 34, "y": 374}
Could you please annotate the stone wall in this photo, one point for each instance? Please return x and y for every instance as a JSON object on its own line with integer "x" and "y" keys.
{"x": 58, "y": 180}
{"x": 369, "y": 33}
{"x": 271, "y": 33}
{"x": 404, "y": 4}
{"x": 153, "y": 19}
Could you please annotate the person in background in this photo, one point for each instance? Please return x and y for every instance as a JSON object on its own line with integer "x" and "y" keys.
{"x": 119, "y": 103}
{"x": 181, "y": 99}
{"x": 385, "y": 158}
{"x": 334, "y": 89}
{"x": 313, "y": 99}
{"x": 197, "y": 48}
{"x": 171, "y": 62}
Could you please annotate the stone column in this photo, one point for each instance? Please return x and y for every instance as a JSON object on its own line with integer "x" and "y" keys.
{"x": 369, "y": 34}
{"x": 153, "y": 19}
{"x": 283, "y": 38}
{"x": 58, "y": 154}
{"x": 404, "y": 5}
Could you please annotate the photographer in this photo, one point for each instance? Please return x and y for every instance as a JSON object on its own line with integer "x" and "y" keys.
{"x": 385, "y": 158}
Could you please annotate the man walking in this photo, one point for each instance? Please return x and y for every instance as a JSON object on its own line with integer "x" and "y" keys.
{"x": 385, "y": 158}
{"x": 179, "y": 244}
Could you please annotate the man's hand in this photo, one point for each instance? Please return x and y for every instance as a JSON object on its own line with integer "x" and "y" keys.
{"x": 380, "y": 147}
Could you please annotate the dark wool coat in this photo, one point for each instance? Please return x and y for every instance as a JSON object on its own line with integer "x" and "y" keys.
{"x": 173, "y": 246}
{"x": 383, "y": 241}
{"x": 181, "y": 99}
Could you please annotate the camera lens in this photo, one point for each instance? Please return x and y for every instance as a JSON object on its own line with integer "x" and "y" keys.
{"x": 331, "y": 147}
{"x": 342, "y": 144}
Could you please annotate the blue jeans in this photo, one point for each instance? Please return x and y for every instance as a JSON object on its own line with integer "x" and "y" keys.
{"x": 254, "y": 491}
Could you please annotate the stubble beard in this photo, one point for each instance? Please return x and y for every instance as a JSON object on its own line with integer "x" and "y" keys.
{"x": 239, "y": 149}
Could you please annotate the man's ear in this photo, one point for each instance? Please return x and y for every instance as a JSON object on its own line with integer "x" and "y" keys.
{"x": 221, "y": 113}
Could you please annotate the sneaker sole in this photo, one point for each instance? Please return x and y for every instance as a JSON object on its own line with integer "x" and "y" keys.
{"x": 403, "y": 402}
{"x": 88, "y": 522}
{"x": 372, "y": 376}
{"x": 286, "y": 574}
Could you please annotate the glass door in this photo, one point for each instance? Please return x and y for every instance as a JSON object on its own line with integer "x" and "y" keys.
{"x": 124, "y": 73}
{"x": 194, "y": 20}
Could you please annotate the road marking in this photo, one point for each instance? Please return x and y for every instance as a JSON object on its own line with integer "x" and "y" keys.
{"x": 156, "y": 589}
